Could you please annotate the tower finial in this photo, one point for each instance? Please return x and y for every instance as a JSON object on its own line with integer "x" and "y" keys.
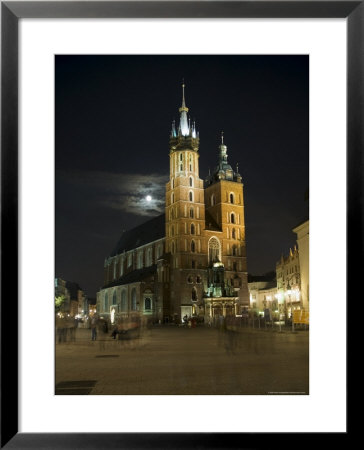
{"x": 183, "y": 107}
{"x": 183, "y": 123}
{"x": 222, "y": 137}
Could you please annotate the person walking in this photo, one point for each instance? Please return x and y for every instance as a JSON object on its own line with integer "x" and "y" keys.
{"x": 94, "y": 328}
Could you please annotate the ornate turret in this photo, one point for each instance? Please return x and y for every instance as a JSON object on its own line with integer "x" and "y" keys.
{"x": 185, "y": 137}
{"x": 223, "y": 170}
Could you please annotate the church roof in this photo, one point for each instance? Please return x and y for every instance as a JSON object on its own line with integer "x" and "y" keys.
{"x": 134, "y": 276}
{"x": 147, "y": 232}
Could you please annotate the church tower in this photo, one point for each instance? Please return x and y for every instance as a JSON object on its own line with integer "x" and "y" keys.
{"x": 224, "y": 202}
{"x": 185, "y": 214}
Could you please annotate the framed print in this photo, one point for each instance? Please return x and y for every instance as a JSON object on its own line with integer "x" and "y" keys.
{"x": 55, "y": 56}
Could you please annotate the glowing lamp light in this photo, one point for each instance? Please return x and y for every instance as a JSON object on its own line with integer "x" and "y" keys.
{"x": 289, "y": 292}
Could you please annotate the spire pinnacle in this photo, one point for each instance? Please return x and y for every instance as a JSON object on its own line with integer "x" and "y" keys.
{"x": 185, "y": 130}
{"x": 222, "y": 137}
{"x": 183, "y": 107}
{"x": 184, "y": 124}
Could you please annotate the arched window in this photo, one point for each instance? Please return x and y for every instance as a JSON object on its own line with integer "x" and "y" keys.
{"x": 147, "y": 304}
{"x": 231, "y": 198}
{"x": 149, "y": 254}
{"x": 140, "y": 259}
{"x": 233, "y": 234}
{"x": 192, "y": 228}
{"x": 123, "y": 305}
{"x": 191, "y": 213}
{"x": 133, "y": 300}
{"x": 180, "y": 157}
{"x": 198, "y": 279}
{"x": 193, "y": 246}
{"x": 214, "y": 250}
{"x": 190, "y": 165}
{"x": 159, "y": 251}
{"x": 191, "y": 181}
{"x": 190, "y": 196}
{"x": 189, "y": 279}
{"x": 106, "y": 303}
{"x": 234, "y": 249}
{"x": 114, "y": 298}
{"x": 194, "y": 294}
{"x": 232, "y": 218}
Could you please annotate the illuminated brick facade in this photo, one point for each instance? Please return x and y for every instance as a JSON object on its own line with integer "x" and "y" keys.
{"x": 192, "y": 259}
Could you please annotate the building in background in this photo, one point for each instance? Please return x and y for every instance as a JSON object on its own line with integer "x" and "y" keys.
{"x": 263, "y": 296}
{"x": 191, "y": 260}
{"x": 74, "y": 297}
{"x": 77, "y": 297}
{"x": 289, "y": 282}
{"x": 293, "y": 277}
{"x": 302, "y": 232}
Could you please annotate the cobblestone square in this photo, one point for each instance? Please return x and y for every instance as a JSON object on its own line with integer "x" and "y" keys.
{"x": 183, "y": 361}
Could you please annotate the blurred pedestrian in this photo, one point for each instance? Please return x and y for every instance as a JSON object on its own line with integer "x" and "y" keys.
{"x": 61, "y": 328}
{"x": 94, "y": 328}
{"x": 71, "y": 328}
{"x": 230, "y": 335}
{"x": 221, "y": 328}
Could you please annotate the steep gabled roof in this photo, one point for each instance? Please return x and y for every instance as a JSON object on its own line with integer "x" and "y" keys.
{"x": 149, "y": 231}
{"x": 134, "y": 276}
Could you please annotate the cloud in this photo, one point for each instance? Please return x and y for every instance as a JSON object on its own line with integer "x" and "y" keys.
{"x": 118, "y": 191}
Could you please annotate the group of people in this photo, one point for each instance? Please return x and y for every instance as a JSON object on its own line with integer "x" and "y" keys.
{"x": 127, "y": 327}
{"x": 123, "y": 328}
{"x": 193, "y": 321}
{"x": 66, "y": 328}
{"x": 97, "y": 324}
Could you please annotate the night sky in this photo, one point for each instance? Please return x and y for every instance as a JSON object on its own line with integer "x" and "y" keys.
{"x": 113, "y": 120}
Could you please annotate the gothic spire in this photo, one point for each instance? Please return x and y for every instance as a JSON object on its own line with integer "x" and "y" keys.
{"x": 184, "y": 135}
{"x": 184, "y": 127}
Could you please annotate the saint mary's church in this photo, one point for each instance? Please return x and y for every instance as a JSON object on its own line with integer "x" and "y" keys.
{"x": 191, "y": 260}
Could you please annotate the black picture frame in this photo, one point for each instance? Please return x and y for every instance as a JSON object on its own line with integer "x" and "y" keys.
{"x": 11, "y": 12}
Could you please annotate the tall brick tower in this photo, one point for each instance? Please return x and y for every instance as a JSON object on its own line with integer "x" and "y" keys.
{"x": 224, "y": 202}
{"x": 185, "y": 215}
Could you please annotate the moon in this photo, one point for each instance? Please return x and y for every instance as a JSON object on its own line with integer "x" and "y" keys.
{"x": 148, "y": 198}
